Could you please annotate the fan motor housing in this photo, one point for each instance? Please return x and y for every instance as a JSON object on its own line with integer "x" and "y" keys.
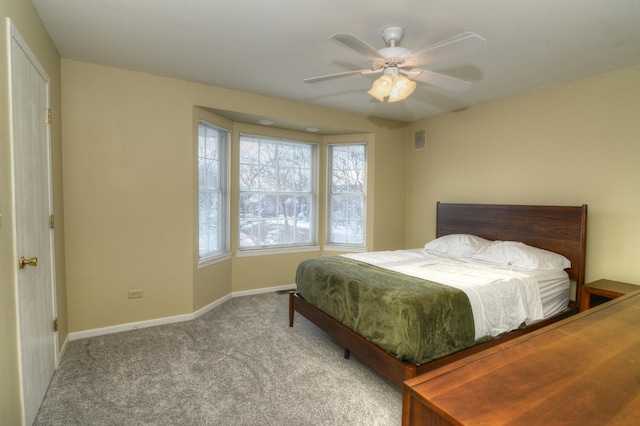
{"x": 394, "y": 52}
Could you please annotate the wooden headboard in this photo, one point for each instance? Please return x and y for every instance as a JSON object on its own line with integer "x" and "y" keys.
{"x": 561, "y": 229}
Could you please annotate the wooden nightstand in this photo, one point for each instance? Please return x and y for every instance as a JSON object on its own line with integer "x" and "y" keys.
{"x": 604, "y": 288}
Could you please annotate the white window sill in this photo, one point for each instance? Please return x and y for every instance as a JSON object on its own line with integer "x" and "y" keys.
{"x": 272, "y": 251}
{"x": 208, "y": 261}
{"x": 346, "y": 248}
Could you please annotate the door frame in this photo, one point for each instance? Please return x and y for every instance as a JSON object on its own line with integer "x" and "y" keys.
{"x": 14, "y": 34}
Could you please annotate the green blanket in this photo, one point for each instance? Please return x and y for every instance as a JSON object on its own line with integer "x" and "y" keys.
{"x": 414, "y": 319}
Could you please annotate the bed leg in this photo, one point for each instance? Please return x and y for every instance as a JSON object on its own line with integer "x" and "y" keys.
{"x": 347, "y": 353}
{"x": 290, "y": 309}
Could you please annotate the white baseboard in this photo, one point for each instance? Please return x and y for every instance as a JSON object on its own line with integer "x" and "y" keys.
{"x": 263, "y": 290}
{"x": 168, "y": 320}
{"x": 62, "y": 350}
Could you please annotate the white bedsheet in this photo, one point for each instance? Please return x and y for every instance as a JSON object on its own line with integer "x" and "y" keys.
{"x": 501, "y": 298}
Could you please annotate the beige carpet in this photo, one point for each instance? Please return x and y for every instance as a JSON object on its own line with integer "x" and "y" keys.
{"x": 239, "y": 364}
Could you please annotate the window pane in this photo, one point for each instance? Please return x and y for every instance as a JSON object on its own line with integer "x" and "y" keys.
{"x": 211, "y": 174}
{"x": 249, "y": 152}
{"x": 201, "y": 166}
{"x": 213, "y": 191}
{"x": 277, "y": 196}
{"x": 249, "y": 176}
{"x": 347, "y": 194}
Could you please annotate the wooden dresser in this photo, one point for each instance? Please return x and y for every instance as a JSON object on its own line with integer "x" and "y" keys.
{"x": 584, "y": 370}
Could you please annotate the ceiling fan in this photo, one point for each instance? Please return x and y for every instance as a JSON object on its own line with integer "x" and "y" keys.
{"x": 397, "y": 64}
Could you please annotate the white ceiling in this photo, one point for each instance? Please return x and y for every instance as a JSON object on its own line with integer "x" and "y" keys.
{"x": 269, "y": 47}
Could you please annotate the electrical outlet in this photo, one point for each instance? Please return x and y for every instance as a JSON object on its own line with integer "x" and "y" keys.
{"x": 135, "y": 294}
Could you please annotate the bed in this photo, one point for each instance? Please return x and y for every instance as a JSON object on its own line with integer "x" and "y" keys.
{"x": 557, "y": 229}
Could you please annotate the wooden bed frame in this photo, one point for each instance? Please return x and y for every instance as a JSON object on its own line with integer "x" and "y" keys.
{"x": 560, "y": 229}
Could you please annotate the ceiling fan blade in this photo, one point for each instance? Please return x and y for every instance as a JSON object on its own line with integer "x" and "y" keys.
{"x": 352, "y": 41}
{"x": 439, "y": 80}
{"x": 462, "y": 43}
{"x": 340, "y": 74}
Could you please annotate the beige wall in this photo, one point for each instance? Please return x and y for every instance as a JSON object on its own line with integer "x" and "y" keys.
{"x": 24, "y": 17}
{"x": 571, "y": 144}
{"x": 130, "y": 192}
{"x": 127, "y": 152}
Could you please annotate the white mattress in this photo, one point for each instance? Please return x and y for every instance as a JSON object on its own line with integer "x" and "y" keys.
{"x": 501, "y": 298}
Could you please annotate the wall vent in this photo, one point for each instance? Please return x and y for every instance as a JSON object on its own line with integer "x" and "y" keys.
{"x": 420, "y": 140}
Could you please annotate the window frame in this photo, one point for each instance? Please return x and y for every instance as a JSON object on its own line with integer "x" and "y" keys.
{"x": 329, "y": 198}
{"x": 313, "y": 194}
{"x": 223, "y": 189}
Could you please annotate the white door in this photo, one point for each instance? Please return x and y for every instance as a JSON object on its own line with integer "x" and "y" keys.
{"x": 34, "y": 236}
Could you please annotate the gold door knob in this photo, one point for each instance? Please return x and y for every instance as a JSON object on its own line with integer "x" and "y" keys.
{"x": 31, "y": 262}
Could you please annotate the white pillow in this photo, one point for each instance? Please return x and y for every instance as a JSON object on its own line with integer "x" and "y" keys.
{"x": 458, "y": 245}
{"x": 520, "y": 255}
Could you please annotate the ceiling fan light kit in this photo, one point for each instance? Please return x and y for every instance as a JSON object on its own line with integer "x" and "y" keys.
{"x": 381, "y": 87}
{"x": 402, "y": 88}
{"x": 392, "y": 85}
{"x": 397, "y": 63}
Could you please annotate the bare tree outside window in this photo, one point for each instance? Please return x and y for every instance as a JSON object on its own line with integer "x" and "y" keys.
{"x": 277, "y": 192}
{"x": 347, "y": 194}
